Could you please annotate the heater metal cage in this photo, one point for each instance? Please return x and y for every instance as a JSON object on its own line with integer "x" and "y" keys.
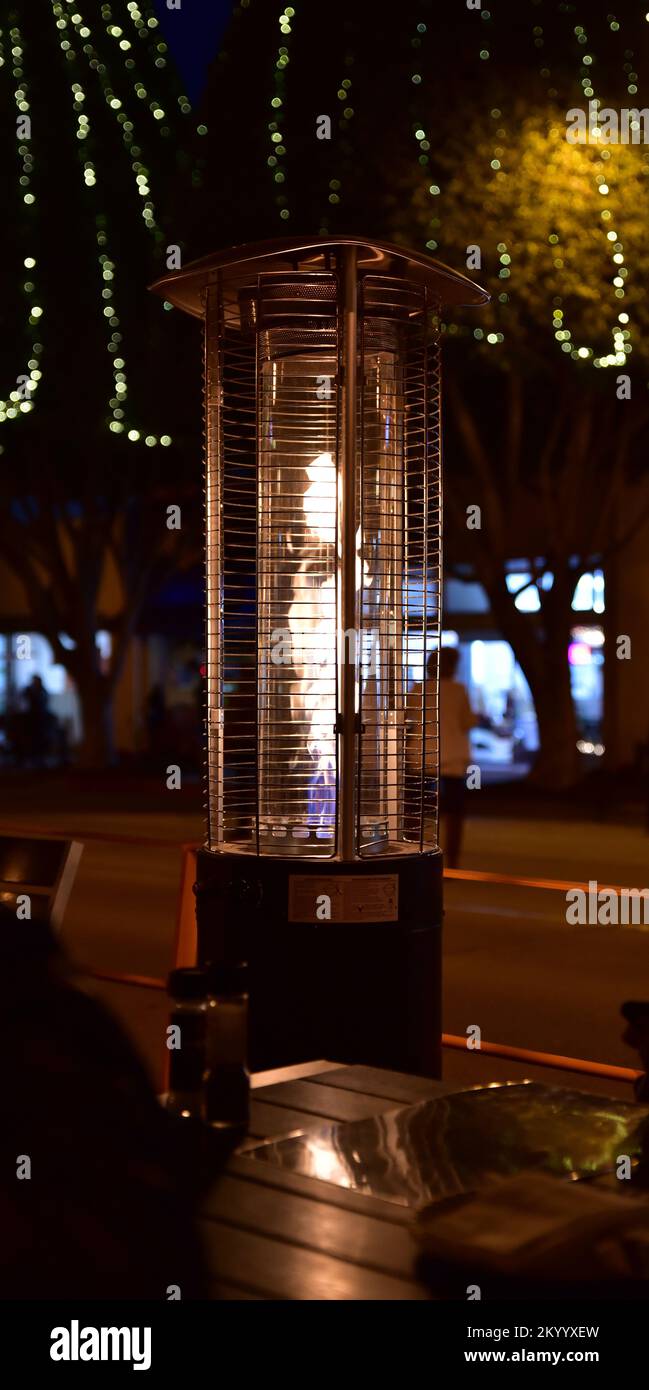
{"x": 323, "y": 496}
{"x": 277, "y": 643}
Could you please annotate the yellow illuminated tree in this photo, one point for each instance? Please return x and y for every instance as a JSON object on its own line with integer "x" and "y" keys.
{"x": 547, "y": 401}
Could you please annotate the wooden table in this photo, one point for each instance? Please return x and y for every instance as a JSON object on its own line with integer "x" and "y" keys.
{"x": 271, "y": 1234}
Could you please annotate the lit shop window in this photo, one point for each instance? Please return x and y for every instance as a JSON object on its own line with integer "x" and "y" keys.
{"x": 588, "y": 595}
{"x": 527, "y": 593}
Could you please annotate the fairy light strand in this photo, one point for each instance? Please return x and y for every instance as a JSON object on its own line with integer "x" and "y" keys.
{"x": 74, "y": 24}
{"x": 420, "y": 134}
{"x": 621, "y": 332}
{"x": 19, "y": 401}
{"x": 274, "y": 160}
{"x": 346, "y": 115}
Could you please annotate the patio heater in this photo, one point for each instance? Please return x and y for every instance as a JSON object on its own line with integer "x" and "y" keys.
{"x": 323, "y": 515}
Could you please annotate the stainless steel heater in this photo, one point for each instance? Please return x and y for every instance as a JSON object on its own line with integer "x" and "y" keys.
{"x": 323, "y": 514}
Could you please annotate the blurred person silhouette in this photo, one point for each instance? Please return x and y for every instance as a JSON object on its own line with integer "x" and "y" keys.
{"x": 456, "y": 718}
{"x": 38, "y": 720}
{"x": 509, "y": 712}
{"x": 635, "y": 1012}
{"x": 99, "y": 1183}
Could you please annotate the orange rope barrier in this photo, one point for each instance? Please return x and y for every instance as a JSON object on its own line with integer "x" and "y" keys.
{"x": 514, "y": 1054}
{"x": 556, "y": 885}
{"x": 114, "y": 977}
{"x": 544, "y": 1059}
{"x": 155, "y": 841}
{"x": 554, "y": 1060}
{"x": 164, "y": 842}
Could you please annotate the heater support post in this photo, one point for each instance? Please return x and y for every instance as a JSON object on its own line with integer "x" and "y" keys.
{"x": 347, "y": 548}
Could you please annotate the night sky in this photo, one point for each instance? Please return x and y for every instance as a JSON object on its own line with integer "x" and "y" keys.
{"x": 194, "y": 33}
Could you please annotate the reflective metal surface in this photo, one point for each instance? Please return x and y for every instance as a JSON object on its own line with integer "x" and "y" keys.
{"x": 185, "y": 288}
{"x": 463, "y": 1142}
{"x": 323, "y": 501}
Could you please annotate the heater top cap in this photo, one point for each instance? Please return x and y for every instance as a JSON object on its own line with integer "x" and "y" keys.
{"x": 239, "y": 264}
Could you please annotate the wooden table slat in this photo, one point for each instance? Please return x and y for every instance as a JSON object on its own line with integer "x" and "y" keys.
{"x": 291, "y": 1073}
{"x": 357, "y": 1237}
{"x": 268, "y": 1120}
{"x": 388, "y": 1085}
{"x": 273, "y": 1234}
{"x": 230, "y": 1293}
{"x": 329, "y": 1102}
{"x": 276, "y": 1269}
{"x": 269, "y": 1175}
{"x": 276, "y": 1234}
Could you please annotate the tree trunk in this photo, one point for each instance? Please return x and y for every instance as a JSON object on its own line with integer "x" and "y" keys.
{"x": 557, "y": 763}
{"x": 612, "y": 623}
{"x": 97, "y": 748}
{"x": 540, "y": 645}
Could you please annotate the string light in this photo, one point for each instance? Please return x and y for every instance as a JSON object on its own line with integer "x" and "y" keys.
{"x": 157, "y": 50}
{"x": 74, "y": 37}
{"x": 274, "y": 160}
{"x": 116, "y": 107}
{"x": 621, "y": 337}
{"x": 335, "y": 185}
{"x": 421, "y": 135}
{"x": 606, "y": 191}
{"x": 434, "y": 189}
{"x": 19, "y": 400}
{"x": 73, "y": 26}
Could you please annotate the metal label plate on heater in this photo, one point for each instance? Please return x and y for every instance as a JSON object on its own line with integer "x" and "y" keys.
{"x": 345, "y": 898}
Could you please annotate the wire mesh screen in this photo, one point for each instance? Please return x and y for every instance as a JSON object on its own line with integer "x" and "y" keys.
{"x": 275, "y": 383}
{"x": 432, "y": 587}
{"x": 399, "y": 570}
{"x": 297, "y": 550}
{"x": 231, "y": 519}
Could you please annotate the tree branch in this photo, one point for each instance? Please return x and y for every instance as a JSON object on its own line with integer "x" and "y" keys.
{"x": 481, "y": 467}
{"x": 514, "y": 428}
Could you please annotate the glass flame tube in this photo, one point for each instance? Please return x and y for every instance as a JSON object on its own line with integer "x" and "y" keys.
{"x": 349, "y": 701}
{"x": 297, "y": 613}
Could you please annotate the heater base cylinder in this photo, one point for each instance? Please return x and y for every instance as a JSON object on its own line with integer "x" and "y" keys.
{"x": 344, "y": 958}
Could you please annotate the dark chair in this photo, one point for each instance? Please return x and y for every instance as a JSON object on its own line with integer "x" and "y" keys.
{"x": 41, "y": 869}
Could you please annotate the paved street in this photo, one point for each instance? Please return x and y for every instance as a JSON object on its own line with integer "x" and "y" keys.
{"x": 512, "y": 965}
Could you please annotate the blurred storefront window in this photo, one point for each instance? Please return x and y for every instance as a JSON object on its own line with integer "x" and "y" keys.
{"x": 506, "y": 735}
{"x": 32, "y": 679}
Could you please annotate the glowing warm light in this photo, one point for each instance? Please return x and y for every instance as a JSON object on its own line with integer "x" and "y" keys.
{"x": 320, "y": 498}
{"x": 325, "y": 1164}
{"x": 312, "y": 625}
